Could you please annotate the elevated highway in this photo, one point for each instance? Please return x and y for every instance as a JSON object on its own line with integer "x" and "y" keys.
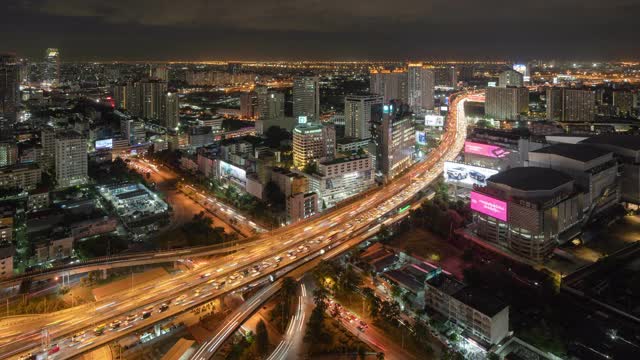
{"x": 277, "y": 253}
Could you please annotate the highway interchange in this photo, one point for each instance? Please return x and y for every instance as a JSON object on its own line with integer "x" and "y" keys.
{"x": 79, "y": 329}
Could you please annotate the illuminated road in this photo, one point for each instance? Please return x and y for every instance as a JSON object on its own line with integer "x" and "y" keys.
{"x": 272, "y": 251}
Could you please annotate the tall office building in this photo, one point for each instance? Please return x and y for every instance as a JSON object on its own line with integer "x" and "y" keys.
{"x": 506, "y": 103}
{"x": 248, "y": 105}
{"x": 391, "y": 85}
{"x": 571, "y": 105}
{"x": 9, "y": 85}
{"x": 52, "y": 67}
{"x": 121, "y": 97}
{"x": 313, "y": 142}
{"x": 357, "y": 115}
{"x": 446, "y": 76}
{"x": 510, "y": 78}
{"x": 71, "y": 159}
{"x": 306, "y": 97}
{"x": 152, "y": 93}
{"x": 170, "y": 111}
{"x": 421, "y": 85}
{"x": 393, "y": 135}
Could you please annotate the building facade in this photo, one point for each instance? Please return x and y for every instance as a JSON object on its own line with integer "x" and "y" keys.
{"x": 357, "y": 113}
{"x": 71, "y": 159}
{"x": 306, "y": 97}
{"x": 506, "y": 103}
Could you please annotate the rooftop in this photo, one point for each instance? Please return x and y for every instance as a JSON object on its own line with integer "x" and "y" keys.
{"x": 531, "y": 178}
{"x": 344, "y": 159}
{"x": 579, "y": 152}
{"x": 480, "y": 300}
{"x": 630, "y": 142}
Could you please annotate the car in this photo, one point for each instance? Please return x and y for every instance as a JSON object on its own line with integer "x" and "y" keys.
{"x": 28, "y": 356}
{"x": 204, "y": 276}
{"x": 115, "y": 324}
{"x": 477, "y": 176}
{"x": 163, "y": 307}
{"x": 181, "y": 298}
{"x": 99, "y": 330}
{"x": 131, "y": 317}
{"x": 458, "y": 173}
{"x": 53, "y": 349}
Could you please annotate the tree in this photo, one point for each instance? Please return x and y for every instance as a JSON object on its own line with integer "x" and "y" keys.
{"x": 372, "y": 301}
{"x": 325, "y": 274}
{"x": 349, "y": 279}
{"x": 262, "y": 339}
{"x": 384, "y": 234}
{"x": 320, "y": 298}
{"x": 493, "y": 356}
{"x": 390, "y": 312}
{"x": 310, "y": 168}
{"x": 287, "y": 293}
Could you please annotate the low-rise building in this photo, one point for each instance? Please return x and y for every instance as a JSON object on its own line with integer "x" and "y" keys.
{"x": 20, "y": 176}
{"x": 93, "y": 227}
{"x": 483, "y": 317}
{"x": 627, "y": 151}
{"x": 341, "y": 178}
{"x": 6, "y": 261}
{"x": 529, "y": 210}
{"x": 595, "y": 171}
{"x": 301, "y": 206}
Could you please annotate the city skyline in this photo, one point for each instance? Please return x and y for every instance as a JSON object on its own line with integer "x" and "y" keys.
{"x": 197, "y": 30}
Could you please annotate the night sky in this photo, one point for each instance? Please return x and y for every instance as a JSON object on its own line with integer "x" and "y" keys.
{"x": 322, "y": 29}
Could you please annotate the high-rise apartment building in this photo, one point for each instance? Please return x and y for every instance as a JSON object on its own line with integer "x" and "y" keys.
{"x": 71, "y": 159}
{"x": 623, "y": 102}
{"x": 391, "y": 85}
{"x": 313, "y": 142}
{"x": 446, "y": 76}
{"x": 160, "y": 72}
{"x": 506, "y": 103}
{"x": 510, "y": 78}
{"x": 48, "y": 143}
{"x": 9, "y": 84}
{"x": 8, "y": 153}
{"x": 170, "y": 117}
{"x": 306, "y": 97}
{"x": 52, "y": 67}
{"x": 394, "y": 139}
{"x": 571, "y": 105}
{"x": 357, "y": 115}
{"x": 421, "y": 85}
{"x": 270, "y": 103}
{"x": 248, "y": 105}
{"x": 152, "y": 94}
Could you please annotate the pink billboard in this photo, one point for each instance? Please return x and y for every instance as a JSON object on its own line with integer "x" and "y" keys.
{"x": 489, "y": 206}
{"x": 484, "y": 149}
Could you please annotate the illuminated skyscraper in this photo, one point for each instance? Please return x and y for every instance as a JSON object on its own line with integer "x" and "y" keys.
{"x": 313, "y": 142}
{"x": 160, "y": 72}
{"x": 510, "y": 78}
{"x": 506, "y": 103}
{"x": 71, "y": 159}
{"x": 357, "y": 115}
{"x": 152, "y": 94}
{"x": 52, "y": 67}
{"x": 570, "y": 105}
{"x": 446, "y": 77}
{"x": 306, "y": 97}
{"x": 391, "y": 85}
{"x": 171, "y": 111}
{"x": 9, "y": 85}
{"x": 421, "y": 87}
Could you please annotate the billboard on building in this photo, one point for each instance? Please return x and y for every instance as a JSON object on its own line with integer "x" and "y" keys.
{"x": 466, "y": 175}
{"x": 489, "y": 206}
{"x": 433, "y": 120}
{"x": 233, "y": 173}
{"x": 491, "y": 151}
{"x": 104, "y": 144}
{"x": 421, "y": 137}
{"x": 302, "y": 119}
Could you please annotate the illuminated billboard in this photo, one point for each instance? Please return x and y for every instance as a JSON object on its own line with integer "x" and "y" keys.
{"x": 489, "y": 206}
{"x": 233, "y": 173}
{"x": 491, "y": 151}
{"x": 104, "y": 144}
{"x": 302, "y": 119}
{"x": 421, "y": 137}
{"x": 433, "y": 120}
{"x": 466, "y": 175}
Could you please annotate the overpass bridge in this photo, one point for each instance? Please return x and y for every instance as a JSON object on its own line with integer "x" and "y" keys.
{"x": 319, "y": 235}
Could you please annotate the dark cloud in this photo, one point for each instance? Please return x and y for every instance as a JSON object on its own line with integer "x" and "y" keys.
{"x": 263, "y": 29}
